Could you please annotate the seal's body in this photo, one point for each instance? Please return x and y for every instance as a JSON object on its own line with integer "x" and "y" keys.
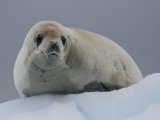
{"x": 57, "y": 59}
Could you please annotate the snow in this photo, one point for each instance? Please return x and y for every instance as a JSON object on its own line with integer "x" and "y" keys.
{"x": 151, "y": 113}
{"x": 138, "y": 102}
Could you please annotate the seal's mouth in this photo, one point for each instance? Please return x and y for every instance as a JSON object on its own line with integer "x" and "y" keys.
{"x": 50, "y": 54}
{"x": 52, "y": 50}
{"x": 53, "y": 53}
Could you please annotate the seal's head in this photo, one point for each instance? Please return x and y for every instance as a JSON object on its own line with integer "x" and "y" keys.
{"x": 45, "y": 44}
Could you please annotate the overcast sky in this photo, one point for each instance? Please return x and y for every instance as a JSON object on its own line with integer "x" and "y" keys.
{"x": 134, "y": 24}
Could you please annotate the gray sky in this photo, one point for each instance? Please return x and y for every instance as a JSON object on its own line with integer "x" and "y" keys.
{"x": 134, "y": 24}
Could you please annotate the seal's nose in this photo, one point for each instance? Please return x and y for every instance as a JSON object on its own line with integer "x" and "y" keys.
{"x": 53, "y": 47}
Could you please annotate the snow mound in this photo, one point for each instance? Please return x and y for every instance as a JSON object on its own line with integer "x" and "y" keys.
{"x": 138, "y": 102}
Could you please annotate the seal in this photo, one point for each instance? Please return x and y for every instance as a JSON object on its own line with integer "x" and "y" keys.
{"x": 62, "y": 60}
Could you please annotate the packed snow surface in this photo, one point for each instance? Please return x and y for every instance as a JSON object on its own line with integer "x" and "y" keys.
{"x": 138, "y": 102}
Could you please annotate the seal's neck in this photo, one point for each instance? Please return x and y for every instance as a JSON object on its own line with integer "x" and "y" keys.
{"x": 73, "y": 56}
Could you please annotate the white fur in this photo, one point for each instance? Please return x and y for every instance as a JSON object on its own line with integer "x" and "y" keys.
{"x": 88, "y": 57}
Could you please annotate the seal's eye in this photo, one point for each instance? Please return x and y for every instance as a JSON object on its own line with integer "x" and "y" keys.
{"x": 38, "y": 39}
{"x": 63, "y": 40}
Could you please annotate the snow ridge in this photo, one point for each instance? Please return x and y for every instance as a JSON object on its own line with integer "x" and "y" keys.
{"x": 138, "y": 102}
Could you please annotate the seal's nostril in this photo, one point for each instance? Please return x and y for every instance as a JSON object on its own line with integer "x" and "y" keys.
{"x": 42, "y": 52}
